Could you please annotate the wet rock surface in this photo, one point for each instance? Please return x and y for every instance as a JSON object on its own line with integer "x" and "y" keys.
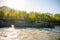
{"x": 26, "y": 34}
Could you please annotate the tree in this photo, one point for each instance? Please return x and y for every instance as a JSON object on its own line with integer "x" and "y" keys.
{"x": 1, "y": 15}
{"x": 31, "y": 16}
{"x": 57, "y": 17}
{"x": 46, "y": 16}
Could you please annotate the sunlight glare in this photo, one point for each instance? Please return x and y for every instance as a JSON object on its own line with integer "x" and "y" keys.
{"x": 16, "y": 4}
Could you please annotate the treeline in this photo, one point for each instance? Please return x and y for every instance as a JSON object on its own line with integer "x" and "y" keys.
{"x": 10, "y": 16}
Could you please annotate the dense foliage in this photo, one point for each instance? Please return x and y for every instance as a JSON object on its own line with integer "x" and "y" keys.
{"x": 11, "y": 15}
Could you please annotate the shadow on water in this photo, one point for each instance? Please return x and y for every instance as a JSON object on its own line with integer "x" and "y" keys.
{"x": 26, "y": 25}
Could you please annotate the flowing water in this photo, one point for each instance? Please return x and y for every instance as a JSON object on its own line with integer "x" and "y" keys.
{"x": 30, "y": 33}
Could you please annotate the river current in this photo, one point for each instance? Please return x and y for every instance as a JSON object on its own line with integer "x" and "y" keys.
{"x": 30, "y": 33}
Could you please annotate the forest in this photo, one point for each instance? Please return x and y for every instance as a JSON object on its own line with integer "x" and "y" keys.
{"x": 9, "y": 16}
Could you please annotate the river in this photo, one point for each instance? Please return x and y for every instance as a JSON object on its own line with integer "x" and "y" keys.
{"x": 30, "y": 33}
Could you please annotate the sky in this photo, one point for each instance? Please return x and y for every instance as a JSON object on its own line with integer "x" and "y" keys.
{"x": 51, "y": 6}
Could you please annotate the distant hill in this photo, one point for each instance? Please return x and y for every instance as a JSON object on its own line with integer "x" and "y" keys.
{"x": 7, "y": 8}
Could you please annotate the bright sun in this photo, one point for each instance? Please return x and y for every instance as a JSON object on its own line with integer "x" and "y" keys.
{"x": 17, "y": 4}
{"x": 24, "y": 5}
{"x": 33, "y": 5}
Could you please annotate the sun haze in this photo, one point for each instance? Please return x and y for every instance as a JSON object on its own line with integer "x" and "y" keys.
{"x": 52, "y": 6}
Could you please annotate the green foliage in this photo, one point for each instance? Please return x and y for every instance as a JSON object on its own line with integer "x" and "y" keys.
{"x": 12, "y": 14}
{"x": 1, "y": 15}
{"x": 57, "y": 17}
{"x": 31, "y": 15}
